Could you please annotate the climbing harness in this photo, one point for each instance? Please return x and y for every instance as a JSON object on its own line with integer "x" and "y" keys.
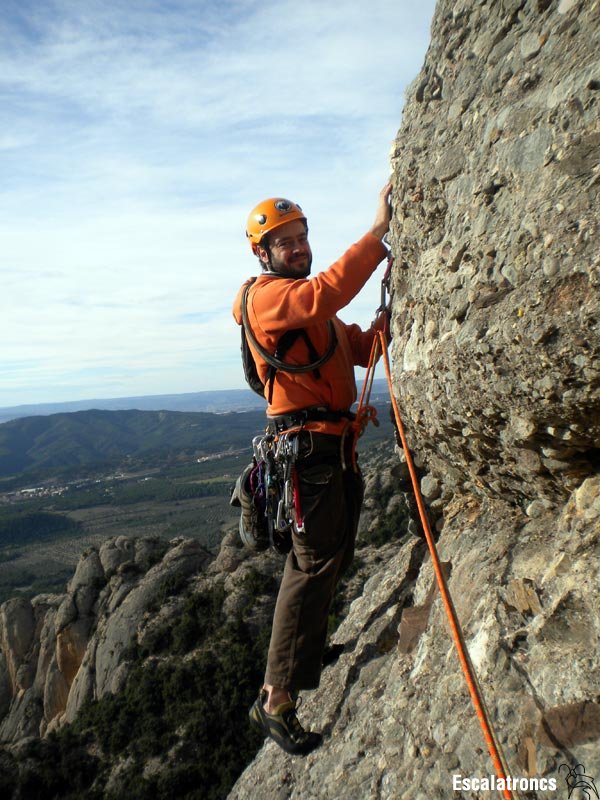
{"x": 268, "y": 490}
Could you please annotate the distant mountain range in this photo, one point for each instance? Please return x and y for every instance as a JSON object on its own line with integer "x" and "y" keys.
{"x": 215, "y": 402}
{"x": 133, "y": 428}
{"x": 81, "y": 438}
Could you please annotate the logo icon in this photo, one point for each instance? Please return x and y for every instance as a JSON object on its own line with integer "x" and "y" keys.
{"x": 577, "y": 779}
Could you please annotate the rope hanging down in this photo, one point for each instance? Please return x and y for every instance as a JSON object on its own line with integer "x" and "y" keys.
{"x": 495, "y": 750}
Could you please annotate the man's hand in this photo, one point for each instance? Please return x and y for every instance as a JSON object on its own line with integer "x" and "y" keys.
{"x": 382, "y": 323}
{"x": 384, "y": 212}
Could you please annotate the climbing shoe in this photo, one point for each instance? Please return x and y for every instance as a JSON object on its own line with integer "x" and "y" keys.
{"x": 283, "y": 726}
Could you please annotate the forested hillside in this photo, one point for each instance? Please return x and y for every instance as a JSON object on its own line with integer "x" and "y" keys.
{"x": 61, "y": 441}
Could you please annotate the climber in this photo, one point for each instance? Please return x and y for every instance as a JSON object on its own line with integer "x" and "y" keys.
{"x": 314, "y": 404}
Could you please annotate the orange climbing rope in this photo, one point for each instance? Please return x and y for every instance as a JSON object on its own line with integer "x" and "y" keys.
{"x": 365, "y": 412}
{"x": 498, "y": 759}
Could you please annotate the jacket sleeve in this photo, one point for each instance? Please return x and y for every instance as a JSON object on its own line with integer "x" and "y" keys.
{"x": 283, "y": 304}
{"x": 360, "y": 343}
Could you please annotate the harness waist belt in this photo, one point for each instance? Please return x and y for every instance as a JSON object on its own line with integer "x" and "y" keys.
{"x": 298, "y": 418}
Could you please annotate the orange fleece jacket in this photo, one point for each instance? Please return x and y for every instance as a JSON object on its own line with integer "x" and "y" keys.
{"x": 276, "y": 305}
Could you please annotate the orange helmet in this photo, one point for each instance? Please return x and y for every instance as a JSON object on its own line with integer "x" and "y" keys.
{"x": 268, "y": 215}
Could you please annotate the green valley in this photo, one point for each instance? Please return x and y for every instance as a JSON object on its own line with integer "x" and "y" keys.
{"x": 91, "y": 475}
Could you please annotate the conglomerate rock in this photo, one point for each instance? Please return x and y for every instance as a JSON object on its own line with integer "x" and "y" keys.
{"x": 496, "y": 172}
{"x": 495, "y": 320}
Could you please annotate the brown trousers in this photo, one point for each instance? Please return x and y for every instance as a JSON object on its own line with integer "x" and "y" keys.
{"x": 331, "y": 499}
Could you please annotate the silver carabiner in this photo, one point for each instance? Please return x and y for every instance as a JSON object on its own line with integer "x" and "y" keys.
{"x": 257, "y": 448}
{"x": 288, "y": 496}
{"x": 281, "y": 522}
{"x": 295, "y": 447}
{"x": 281, "y": 447}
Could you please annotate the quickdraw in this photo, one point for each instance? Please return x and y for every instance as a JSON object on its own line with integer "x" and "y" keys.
{"x": 386, "y": 295}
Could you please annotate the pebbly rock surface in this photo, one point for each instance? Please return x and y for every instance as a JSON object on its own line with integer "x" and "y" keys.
{"x": 497, "y": 266}
{"x": 496, "y": 370}
{"x": 59, "y": 651}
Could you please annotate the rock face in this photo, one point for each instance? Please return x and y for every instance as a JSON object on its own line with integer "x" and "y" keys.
{"x": 59, "y": 651}
{"x": 497, "y": 264}
{"x": 395, "y": 708}
{"x": 495, "y": 309}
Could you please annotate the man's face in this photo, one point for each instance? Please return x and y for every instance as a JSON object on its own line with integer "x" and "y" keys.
{"x": 290, "y": 251}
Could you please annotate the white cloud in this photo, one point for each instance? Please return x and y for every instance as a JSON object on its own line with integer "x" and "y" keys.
{"x": 137, "y": 136}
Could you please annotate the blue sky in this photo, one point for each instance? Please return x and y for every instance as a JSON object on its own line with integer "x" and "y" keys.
{"x": 136, "y": 136}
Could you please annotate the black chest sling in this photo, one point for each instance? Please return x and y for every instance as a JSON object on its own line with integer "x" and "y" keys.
{"x": 275, "y": 360}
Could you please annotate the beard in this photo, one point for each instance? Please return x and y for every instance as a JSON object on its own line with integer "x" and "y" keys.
{"x": 293, "y": 267}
